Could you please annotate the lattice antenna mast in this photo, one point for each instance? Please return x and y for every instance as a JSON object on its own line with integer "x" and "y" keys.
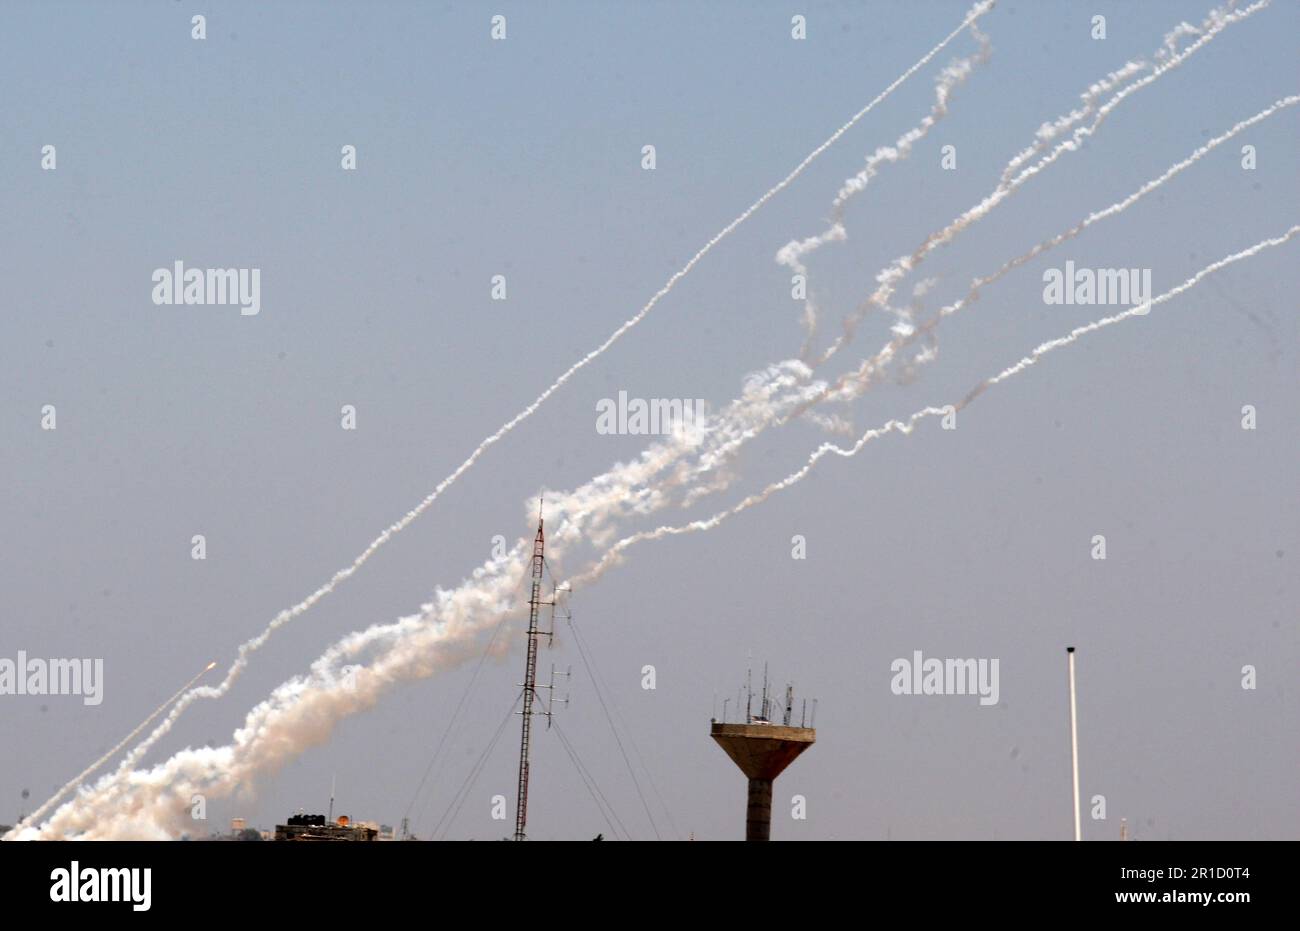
{"x": 530, "y": 678}
{"x": 529, "y": 685}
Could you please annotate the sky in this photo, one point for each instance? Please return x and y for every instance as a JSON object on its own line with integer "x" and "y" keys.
{"x": 523, "y": 157}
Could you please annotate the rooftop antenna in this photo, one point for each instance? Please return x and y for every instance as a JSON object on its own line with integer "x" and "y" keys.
{"x": 1074, "y": 746}
{"x": 789, "y": 703}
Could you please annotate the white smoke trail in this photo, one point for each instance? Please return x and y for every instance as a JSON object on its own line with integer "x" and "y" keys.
{"x": 1215, "y": 22}
{"x": 793, "y": 253}
{"x": 78, "y": 779}
{"x": 590, "y": 511}
{"x": 586, "y": 514}
{"x": 766, "y": 411}
{"x": 1167, "y": 57}
{"x": 855, "y": 382}
{"x": 976, "y": 11}
{"x": 614, "y": 553}
{"x": 303, "y": 711}
{"x": 762, "y": 405}
{"x": 1049, "y": 131}
{"x": 299, "y": 714}
{"x": 851, "y": 384}
{"x": 1140, "y": 310}
{"x": 952, "y": 77}
{"x": 1122, "y": 205}
{"x": 648, "y": 498}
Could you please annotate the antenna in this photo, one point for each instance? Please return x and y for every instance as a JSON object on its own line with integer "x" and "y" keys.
{"x": 551, "y": 699}
{"x": 530, "y": 678}
{"x": 529, "y": 685}
{"x": 1074, "y": 746}
{"x": 333, "y": 780}
{"x": 762, "y": 748}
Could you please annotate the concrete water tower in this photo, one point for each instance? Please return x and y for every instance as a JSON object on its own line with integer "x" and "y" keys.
{"x": 762, "y": 750}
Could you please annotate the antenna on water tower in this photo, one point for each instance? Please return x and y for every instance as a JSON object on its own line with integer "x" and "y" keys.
{"x": 762, "y": 750}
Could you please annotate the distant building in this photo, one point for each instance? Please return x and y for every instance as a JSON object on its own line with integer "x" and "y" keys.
{"x": 315, "y": 828}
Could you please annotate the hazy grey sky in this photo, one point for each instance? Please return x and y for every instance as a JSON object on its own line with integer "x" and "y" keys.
{"x": 523, "y": 158}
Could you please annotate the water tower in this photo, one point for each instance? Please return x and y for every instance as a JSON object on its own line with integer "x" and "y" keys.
{"x": 763, "y": 749}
